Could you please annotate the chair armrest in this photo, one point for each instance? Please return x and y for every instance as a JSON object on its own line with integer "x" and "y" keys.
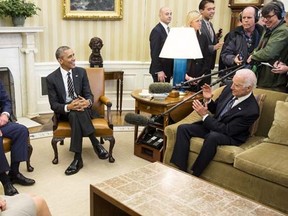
{"x": 171, "y": 130}
{"x": 105, "y": 100}
{"x": 55, "y": 121}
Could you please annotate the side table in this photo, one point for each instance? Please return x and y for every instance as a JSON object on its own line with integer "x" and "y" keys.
{"x": 116, "y": 75}
{"x": 156, "y": 107}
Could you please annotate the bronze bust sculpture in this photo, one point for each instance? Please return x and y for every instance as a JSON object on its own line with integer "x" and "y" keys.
{"x": 95, "y": 58}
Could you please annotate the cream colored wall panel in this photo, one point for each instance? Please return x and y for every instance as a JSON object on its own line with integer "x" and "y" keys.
{"x": 124, "y": 40}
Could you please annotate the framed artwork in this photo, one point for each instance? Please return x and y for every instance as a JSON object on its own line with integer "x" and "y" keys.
{"x": 93, "y": 9}
{"x": 245, "y": 3}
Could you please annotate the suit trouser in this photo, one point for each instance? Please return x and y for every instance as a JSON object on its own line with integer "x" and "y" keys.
{"x": 182, "y": 146}
{"x": 19, "y": 149}
{"x": 81, "y": 125}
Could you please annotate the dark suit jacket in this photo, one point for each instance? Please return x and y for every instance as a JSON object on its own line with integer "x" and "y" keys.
{"x": 237, "y": 121}
{"x": 19, "y": 150}
{"x": 198, "y": 67}
{"x": 212, "y": 52}
{"x": 56, "y": 88}
{"x": 157, "y": 39}
{"x": 5, "y": 102}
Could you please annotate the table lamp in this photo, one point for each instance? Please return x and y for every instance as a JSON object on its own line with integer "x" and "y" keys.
{"x": 180, "y": 45}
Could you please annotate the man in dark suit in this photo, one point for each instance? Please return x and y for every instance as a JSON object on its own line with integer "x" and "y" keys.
{"x": 207, "y": 10}
{"x": 161, "y": 69}
{"x": 72, "y": 100}
{"x": 19, "y": 150}
{"x": 234, "y": 111}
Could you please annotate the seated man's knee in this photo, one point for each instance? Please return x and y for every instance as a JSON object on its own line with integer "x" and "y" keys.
{"x": 23, "y": 130}
{"x": 213, "y": 137}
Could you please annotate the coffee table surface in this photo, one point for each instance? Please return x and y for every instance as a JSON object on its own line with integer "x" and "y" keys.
{"x": 157, "y": 189}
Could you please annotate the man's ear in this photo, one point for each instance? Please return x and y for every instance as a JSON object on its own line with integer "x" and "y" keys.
{"x": 201, "y": 11}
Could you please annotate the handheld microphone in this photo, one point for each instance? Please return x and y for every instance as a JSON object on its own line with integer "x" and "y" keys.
{"x": 139, "y": 120}
{"x": 136, "y": 119}
{"x": 219, "y": 34}
{"x": 160, "y": 88}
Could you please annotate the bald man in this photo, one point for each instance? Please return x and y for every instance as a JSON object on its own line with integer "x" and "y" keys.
{"x": 241, "y": 41}
{"x": 235, "y": 110}
{"x": 161, "y": 69}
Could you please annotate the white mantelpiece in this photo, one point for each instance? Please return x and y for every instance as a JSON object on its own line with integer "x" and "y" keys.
{"x": 17, "y": 52}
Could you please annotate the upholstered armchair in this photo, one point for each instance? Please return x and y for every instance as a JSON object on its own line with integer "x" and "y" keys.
{"x": 7, "y": 143}
{"x": 7, "y": 80}
{"x": 103, "y": 126}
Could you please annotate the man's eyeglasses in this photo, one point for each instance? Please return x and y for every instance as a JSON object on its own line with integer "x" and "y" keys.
{"x": 268, "y": 17}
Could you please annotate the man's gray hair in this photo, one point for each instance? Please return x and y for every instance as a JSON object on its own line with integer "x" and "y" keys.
{"x": 249, "y": 75}
{"x": 60, "y": 50}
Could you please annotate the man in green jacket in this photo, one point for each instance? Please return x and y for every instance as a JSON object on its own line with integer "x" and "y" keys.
{"x": 273, "y": 47}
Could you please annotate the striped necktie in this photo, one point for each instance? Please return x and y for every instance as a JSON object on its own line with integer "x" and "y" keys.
{"x": 70, "y": 86}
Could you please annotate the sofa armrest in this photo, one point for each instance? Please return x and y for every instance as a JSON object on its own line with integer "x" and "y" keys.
{"x": 170, "y": 132}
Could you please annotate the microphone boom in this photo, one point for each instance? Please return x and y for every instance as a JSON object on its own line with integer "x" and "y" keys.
{"x": 180, "y": 85}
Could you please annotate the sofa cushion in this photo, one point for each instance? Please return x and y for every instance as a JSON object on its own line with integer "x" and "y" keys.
{"x": 278, "y": 131}
{"x": 260, "y": 100}
{"x": 266, "y": 160}
{"x": 225, "y": 153}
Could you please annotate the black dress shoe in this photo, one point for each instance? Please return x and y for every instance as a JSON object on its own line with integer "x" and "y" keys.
{"x": 74, "y": 167}
{"x": 100, "y": 151}
{"x": 10, "y": 190}
{"x": 20, "y": 179}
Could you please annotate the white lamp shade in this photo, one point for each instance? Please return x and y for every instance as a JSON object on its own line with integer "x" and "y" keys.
{"x": 181, "y": 43}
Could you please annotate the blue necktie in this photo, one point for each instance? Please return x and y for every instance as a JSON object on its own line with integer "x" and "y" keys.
{"x": 227, "y": 107}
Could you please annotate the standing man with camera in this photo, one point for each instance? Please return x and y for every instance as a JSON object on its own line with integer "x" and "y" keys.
{"x": 272, "y": 47}
{"x": 207, "y": 10}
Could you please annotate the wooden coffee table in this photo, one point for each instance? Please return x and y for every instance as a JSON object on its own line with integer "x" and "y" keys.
{"x": 157, "y": 189}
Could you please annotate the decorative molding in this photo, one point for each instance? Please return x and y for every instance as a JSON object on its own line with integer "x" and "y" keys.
{"x": 17, "y": 49}
{"x": 11, "y": 30}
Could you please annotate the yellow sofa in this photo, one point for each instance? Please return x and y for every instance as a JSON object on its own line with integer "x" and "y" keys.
{"x": 258, "y": 169}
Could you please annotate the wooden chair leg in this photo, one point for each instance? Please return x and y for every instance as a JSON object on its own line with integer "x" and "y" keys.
{"x": 54, "y": 142}
{"x": 111, "y": 146}
{"x": 28, "y": 165}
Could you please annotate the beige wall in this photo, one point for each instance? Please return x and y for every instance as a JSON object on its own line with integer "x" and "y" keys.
{"x": 124, "y": 40}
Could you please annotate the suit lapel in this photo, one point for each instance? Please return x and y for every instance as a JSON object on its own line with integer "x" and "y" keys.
{"x": 239, "y": 107}
{"x": 223, "y": 103}
{"x": 60, "y": 84}
{"x": 214, "y": 35}
{"x": 162, "y": 30}
{"x": 76, "y": 81}
{"x": 206, "y": 31}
